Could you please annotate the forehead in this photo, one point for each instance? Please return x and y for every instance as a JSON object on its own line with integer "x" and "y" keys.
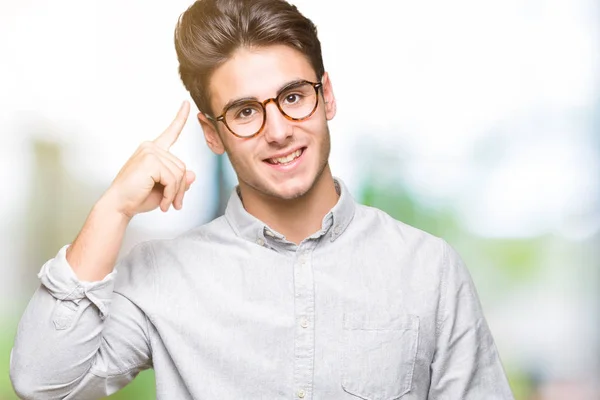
{"x": 257, "y": 72}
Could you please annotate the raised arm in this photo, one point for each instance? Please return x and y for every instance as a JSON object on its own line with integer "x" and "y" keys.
{"x": 78, "y": 339}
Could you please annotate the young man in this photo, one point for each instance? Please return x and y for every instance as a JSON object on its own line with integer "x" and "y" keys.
{"x": 296, "y": 292}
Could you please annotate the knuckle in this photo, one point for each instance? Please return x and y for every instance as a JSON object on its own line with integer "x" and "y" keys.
{"x": 146, "y": 145}
{"x": 179, "y": 165}
{"x": 169, "y": 176}
{"x": 149, "y": 158}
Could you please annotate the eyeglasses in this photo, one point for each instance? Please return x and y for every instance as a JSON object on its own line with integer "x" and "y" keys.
{"x": 247, "y": 118}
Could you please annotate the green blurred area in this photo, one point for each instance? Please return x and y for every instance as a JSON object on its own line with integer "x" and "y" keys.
{"x": 141, "y": 388}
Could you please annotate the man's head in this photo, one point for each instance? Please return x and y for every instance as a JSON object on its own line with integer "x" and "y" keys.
{"x": 231, "y": 50}
{"x": 210, "y": 31}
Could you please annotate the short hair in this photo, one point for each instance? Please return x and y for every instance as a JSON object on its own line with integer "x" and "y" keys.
{"x": 210, "y": 31}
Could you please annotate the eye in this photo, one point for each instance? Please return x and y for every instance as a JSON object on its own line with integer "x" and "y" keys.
{"x": 296, "y": 95}
{"x": 246, "y": 112}
{"x": 292, "y": 98}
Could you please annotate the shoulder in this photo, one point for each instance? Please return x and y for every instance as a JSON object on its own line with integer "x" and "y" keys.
{"x": 384, "y": 228}
{"x": 208, "y": 232}
{"x": 193, "y": 243}
{"x": 409, "y": 248}
{"x": 144, "y": 259}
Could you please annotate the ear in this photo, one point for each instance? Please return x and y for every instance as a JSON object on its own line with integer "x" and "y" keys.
{"x": 213, "y": 140}
{"x": 330, "y": 106}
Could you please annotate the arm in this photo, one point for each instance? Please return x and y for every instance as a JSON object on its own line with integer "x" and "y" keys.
{"x": 466, "y": 364}
{"x": 152, "y": 177}
{"x": 78, "y": 339}
{"x": 67, "y": 344}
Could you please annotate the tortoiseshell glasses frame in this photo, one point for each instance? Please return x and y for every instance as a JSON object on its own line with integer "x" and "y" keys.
{"x": 261, "y": 107}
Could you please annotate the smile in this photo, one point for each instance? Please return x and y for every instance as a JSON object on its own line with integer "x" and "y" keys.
{"x": 287, "y": 159}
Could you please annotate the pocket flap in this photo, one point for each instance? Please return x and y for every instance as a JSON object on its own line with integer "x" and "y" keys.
{"x": 380, "y": 321}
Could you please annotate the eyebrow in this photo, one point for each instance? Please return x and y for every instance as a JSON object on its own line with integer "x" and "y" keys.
{"x": 241, "y": 100}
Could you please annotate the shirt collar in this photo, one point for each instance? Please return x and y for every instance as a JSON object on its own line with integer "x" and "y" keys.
{"x": 251, "y": 228}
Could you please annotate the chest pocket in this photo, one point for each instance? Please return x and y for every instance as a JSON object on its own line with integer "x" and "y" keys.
{"x": 379, "y": 355}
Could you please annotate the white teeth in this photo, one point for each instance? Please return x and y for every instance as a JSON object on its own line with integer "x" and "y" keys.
{"x": 286, "y": 159}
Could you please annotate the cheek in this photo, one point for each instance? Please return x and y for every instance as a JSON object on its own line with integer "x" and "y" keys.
{"x": 242, "y": 153}
{"x": 318, "y": 129}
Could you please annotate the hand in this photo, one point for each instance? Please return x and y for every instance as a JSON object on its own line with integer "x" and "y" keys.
{"x": 153, "y": 176}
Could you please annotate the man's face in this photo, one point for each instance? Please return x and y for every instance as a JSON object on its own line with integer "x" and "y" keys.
{"x": 258, "y": 161}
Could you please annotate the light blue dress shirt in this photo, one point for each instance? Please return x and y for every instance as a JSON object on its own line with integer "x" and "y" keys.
{"x": 366, "y": 308}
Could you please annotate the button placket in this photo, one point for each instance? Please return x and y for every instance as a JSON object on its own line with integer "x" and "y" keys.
{"x": 304, "y": 311}
{"x": 303, "y": 260}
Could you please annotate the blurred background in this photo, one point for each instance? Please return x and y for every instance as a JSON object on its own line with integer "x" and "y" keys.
{"x": 477, "y": 121}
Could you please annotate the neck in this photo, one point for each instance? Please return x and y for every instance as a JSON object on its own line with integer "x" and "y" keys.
{"x": 298, "y": 218}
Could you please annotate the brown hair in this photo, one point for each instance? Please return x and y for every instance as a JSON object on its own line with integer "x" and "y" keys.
{"x": 210, "y": 31}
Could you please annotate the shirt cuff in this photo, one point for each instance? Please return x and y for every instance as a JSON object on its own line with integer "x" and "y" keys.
{"x": 62, "y": 283}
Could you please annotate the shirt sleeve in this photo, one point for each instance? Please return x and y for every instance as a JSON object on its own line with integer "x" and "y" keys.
{"x": 80, "y": 339}
{"x": 466, "y": 363}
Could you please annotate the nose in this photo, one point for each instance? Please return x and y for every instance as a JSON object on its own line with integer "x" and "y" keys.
{"x": 277, "y": 128}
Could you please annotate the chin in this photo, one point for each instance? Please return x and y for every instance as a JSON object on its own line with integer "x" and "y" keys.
{"x": 286, "y": 188}
{"x": 290, "y": 190}
{"x": 295, "y": 187}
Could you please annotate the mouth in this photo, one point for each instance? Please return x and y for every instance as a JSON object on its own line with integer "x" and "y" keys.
{"x": 286, "y": 159}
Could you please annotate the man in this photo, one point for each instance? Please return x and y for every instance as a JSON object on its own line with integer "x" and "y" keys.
{"x": 296, "y": 292}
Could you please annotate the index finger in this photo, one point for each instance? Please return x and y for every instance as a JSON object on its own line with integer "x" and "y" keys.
{"x": 170, "y": 135}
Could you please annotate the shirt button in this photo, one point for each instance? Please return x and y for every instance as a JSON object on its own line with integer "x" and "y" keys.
{"x": 337, "y": 230}
{"x": 269, "y": 233}
{"x": 304, "y": 323}
{"x": 260, "y": 242}
{"x": 301, "y": 393}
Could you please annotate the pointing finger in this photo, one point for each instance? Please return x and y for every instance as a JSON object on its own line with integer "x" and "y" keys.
{"x": 170, "y": 135}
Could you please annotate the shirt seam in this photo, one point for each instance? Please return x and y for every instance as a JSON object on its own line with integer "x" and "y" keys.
{"x": 443, "y": 289}
{"x": 154, "y": 295}
{"x": 67, "y": 297}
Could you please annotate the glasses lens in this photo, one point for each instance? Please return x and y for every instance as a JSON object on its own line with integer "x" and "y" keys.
{"x": 245, "y": 119}
{"x": 299, "y": 101}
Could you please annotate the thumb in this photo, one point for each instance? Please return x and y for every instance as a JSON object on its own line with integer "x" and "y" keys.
{"x": 190, "y": 177}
